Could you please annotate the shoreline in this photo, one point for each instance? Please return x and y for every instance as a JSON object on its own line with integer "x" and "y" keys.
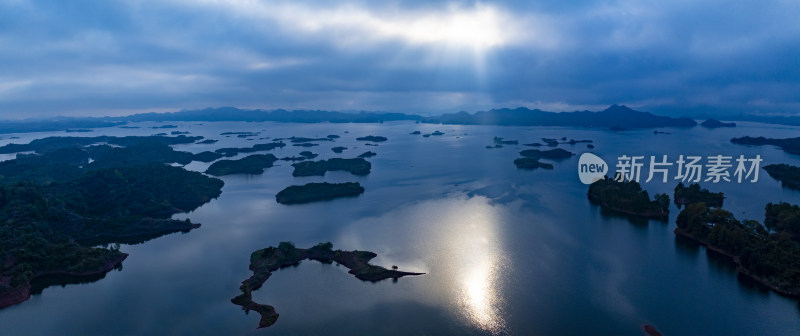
{"x": 739, "y": 268}
{"x": 265, "y": 261}
{"x": 22, "y": 293}
{"x": 649, "y": 215}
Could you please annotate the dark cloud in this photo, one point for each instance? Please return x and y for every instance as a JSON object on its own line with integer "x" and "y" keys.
{"x": 677, "y": 57}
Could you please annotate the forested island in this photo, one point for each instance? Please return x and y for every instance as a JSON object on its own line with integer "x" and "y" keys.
{"x": 373, "y": 138}
{"x": 788, "y": 175}
{"x": 784, "y": 218}
{"x": 265, "y": 261}
{"x": 772, "y": 259}
{"x": 357, "y": 166}
{"x": 253, "y": 164}
{"x": 628, "y": 198}
{"x": 313, "y": 192}
{"x": 65, "y": 158}
{"x": 531, "y": 163}
{"x": 502, "y": 141}
{"x": 530, "y": 158}
{"x": 714, "y": 123}
{"x": 789, "y": 145}
{"x": 553, "y": 154}
{"x": 694, "y": 194}
{"x": 56, "y": 205}
{"x": 300, "y": 140}
{"x": 228, "y": 152}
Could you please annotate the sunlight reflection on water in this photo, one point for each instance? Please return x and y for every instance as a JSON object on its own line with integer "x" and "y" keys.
{"x": 469, "y": 242}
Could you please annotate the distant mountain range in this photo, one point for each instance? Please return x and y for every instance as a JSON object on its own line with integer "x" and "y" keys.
{"x": 298, "y": 116}
{"x": 616, "y": 117}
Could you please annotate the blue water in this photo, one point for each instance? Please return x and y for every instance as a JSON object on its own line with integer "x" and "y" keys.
{"x": 506, "y": 251}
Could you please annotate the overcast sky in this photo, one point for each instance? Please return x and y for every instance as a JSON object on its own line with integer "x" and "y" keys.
{"x": 677, "y": 57}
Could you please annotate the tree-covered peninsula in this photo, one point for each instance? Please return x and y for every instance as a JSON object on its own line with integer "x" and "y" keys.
{"x": 58, "y": 205}
{"x": 48, "y": 230}
{"x": 253, "y": 164}
{"x": 314, "y": 192}
{"x": 357, "y": 166}
{"x": 265, "y": 261}
{"x": 787, "y": 174}
{"x": 772, "y": 259}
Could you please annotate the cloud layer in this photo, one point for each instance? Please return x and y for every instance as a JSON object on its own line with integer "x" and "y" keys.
{"x": 675, "y": 57}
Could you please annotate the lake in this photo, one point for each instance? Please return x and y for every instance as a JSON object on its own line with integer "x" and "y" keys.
{"x": 506, "y": 251}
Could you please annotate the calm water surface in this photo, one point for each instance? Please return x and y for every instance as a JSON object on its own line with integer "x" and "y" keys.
{"x": 506, "y": 251}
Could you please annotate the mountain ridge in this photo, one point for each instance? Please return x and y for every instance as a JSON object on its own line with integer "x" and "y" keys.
{"x": 614, "y": 117}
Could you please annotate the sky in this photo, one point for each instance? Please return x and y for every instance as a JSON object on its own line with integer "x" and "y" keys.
{"x": 677, "y": 57}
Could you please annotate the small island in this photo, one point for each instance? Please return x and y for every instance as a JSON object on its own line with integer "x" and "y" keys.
{"x": 308, "y": 155}
{"x": 789, "y": 176}
{"x": 531, "y": 163}
{"x": 694, "y": 194}
{"x": 530, "y": 157}
{"x": 367, "y": 154}
{"x": 628, "y": 198}
{"x": 553, "y": 154}
{"x": 228, "y": 152}
{"x": 573, "y": 141}
{"x": 372, "y": 138}
{"x": 550, "y": 142}
{"x": 253, "y": 164}
{"x": 241, "y": 134}
{"x": 435, "y": 133}
{"x": 300, "y": 140}
{"x": 265, "y": 261}
{"x": 357, "y": 166}
{"x": 338, "y": 149}
{"x": 313, "y": 192}
{"x": 500, "y": 141}
{"x": 714, "y": 123}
